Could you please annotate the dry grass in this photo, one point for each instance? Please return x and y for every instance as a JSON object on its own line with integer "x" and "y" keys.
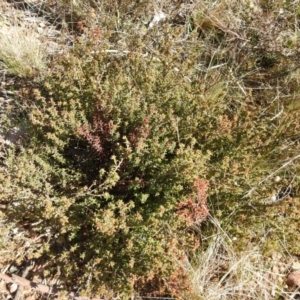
{"x": 21, "y": 52}
{"x": 27, "y": 39}
{"x": 220, "y": 272}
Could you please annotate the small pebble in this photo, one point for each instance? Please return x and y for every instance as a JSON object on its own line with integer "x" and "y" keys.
{"x": 13, "y": 288}
{"x": 277, "y": 179}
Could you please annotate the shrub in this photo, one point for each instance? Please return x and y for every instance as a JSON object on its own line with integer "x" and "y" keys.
{"x": 110, "y": 156}
{"x": 136, "y": 135}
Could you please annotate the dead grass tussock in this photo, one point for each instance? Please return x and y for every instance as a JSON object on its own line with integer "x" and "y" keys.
{"x": 27, "y": 39}
{"x": 21, "y": 52}
{"x": 221, "y": 272}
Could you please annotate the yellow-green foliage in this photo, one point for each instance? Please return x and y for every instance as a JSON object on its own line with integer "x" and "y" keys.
{"x": 122, "y": 127}
{"x": 111, "y": 154}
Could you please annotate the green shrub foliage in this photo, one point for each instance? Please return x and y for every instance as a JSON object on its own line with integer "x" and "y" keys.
{"x": 126, "y": 149}
{"x": 111, "y": 153}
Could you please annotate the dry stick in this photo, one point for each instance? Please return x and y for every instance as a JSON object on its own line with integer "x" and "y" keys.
{"x": 6, "y": 278}
{"x": 20, "y": 289}
{"x": 271, "y": 175}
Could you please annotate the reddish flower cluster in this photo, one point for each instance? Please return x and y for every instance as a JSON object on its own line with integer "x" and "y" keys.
{"x": 194, "y": 210}
{"x": 99, "y": 132}
{"x": 140, "y": 133}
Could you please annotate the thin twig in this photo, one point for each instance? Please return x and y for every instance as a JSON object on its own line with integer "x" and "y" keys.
{"x": 271, "y": 175}
{"x": 278, "y": 114}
